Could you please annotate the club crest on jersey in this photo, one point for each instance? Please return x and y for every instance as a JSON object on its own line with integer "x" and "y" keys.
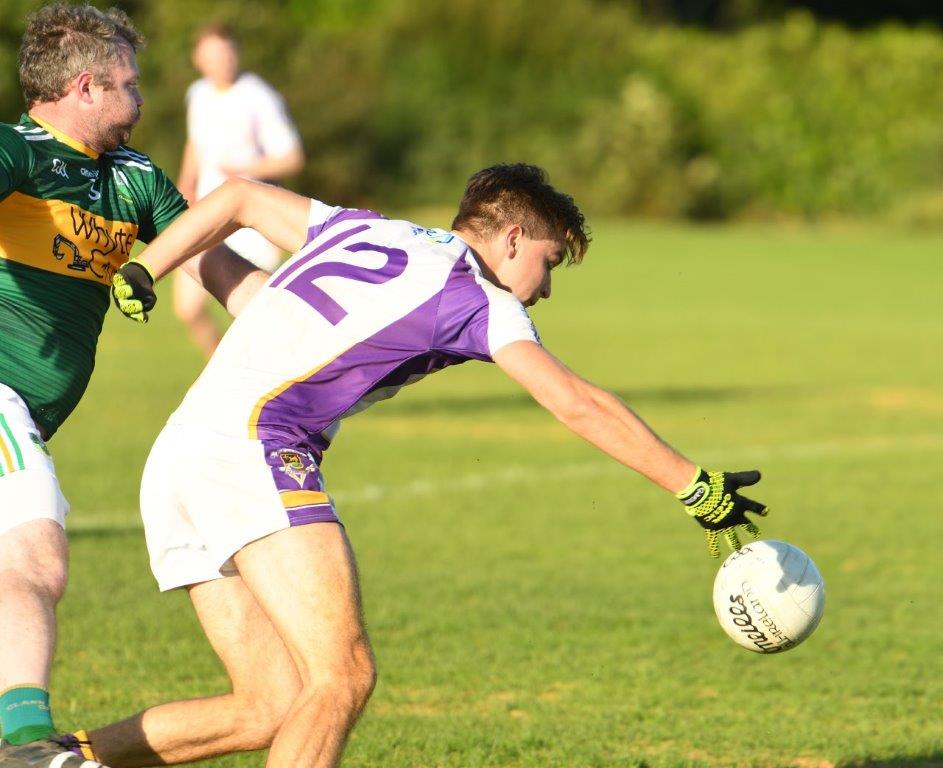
{"x": 58, "y": 167}
{"x": 439, "y": 236}
{"x": 296, "y": 465}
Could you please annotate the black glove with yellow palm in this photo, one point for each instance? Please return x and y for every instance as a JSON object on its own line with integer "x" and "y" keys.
{"x": 132, "y": 288}
{"x": 713, "y": 501}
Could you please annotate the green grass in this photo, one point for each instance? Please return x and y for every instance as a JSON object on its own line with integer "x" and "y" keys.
{"x": 534, "y": 604}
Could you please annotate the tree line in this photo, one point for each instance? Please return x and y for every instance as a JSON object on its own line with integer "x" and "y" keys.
{"x": 399, "y": 101}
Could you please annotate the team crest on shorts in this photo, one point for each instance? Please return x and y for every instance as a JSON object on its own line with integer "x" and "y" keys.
{"x": 39, "y": 443}
{"x": 296, "y": 465}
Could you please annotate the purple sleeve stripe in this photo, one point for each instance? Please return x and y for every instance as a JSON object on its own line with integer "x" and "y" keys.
{"x": 462, "y": 321}
{"x": 352, "y": 214}
{"x": 295, "y": 267}
{"x": 346, "y": 214}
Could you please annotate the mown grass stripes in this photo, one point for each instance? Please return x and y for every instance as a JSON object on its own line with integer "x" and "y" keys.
{"x": 533, "y": 604}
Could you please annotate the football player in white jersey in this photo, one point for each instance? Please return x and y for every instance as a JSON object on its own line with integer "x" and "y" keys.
{"x": 233, "y": 500}
{"x": 237, "y": 125}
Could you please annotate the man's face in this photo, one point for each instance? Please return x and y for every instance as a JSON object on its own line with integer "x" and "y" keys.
{"x": 217, "y": 60}
{"x": 119, "y": 103}
{"x": 526, "y": 269}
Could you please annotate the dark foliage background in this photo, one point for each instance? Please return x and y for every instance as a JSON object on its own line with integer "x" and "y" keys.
{"x": 724, "y": 13}
{"x": 682, "y": 109}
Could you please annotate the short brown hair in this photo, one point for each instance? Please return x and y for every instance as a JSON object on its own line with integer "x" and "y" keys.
{"x": 520, "y": 194}
{"x": 63, "y": 40}
{"x": 216, "y": 29}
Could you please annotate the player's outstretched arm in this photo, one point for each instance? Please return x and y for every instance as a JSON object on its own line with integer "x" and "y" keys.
{"x": 594, "y": 414}
{"x": 229, "y": 278}
{"x": 277, "y": 214}
{"x": 604, "y": 420}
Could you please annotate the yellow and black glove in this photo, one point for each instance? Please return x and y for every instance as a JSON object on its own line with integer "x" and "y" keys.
{"x": 132, "y": 288}
{"x": 712, "y": 500}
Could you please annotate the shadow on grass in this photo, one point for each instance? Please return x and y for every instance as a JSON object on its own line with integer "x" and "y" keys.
{"x": 117, "y": 531}
{"x": 500, "y": 403}
{"x": 921, "y": 761}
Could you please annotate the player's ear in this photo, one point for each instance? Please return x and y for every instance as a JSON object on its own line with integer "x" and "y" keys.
{"x": 82, "y": 85}
{"x": 512, "y": 236}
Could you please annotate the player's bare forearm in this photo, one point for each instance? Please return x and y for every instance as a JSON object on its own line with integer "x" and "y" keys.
{"x": 594, "y": 414}
{"x": 279, "y": 215}
{"x": 230, "y": 279}
{"x": 188, "y": 190}
{"x": 206, "y": 224}
{"x": 601, "y": 418}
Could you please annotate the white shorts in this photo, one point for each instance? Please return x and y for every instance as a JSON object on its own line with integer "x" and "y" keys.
{"x": 29, "y": 488}
{"x": 204, "y": 496}
{"x": 253, "y": 247}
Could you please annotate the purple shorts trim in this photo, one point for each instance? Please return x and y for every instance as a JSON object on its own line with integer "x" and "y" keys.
{"x": 297, "y": 477}
{"x": 316, "y": 513}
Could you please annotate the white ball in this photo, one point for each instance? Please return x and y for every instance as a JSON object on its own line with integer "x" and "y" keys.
{"x": 769, "y": 596}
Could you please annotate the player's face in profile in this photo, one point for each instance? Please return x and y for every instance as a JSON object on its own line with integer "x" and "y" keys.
{"x": 121, "y": 102}
{"x": 529, "y": 271}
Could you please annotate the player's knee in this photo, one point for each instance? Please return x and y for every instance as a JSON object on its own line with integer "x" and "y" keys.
{"x": 346, "y": 688}
{"x": 54, "y": 579}
{"x": 47, "y": 582}
{"x": 263, "y": 709}
{"x": 362, "y": 681}
{"x": 258, "y": 726}
{"x": 356, "y": 681}
{"x": 367, "y": 678}
{"x": 37, "y": 565}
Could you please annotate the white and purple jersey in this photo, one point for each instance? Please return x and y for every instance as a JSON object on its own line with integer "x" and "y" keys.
{"x": 367, "y": 306}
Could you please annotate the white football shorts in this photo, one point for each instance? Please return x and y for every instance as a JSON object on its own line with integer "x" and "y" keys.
{"x": 29, "y": 488}
{"x": 205, "y": 495}
{"x": 253, "y": 247}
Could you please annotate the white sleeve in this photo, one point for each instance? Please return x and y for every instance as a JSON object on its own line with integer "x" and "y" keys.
{"x": 319, "y": 213}
{"x": 193, "y": 91}
{"x": 193, "y": 95}
{"x": 276, "y": 133}
{"x": 508, "y": 320}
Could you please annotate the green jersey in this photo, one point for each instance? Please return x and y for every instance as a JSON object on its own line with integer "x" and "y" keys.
{"x": 68, "y": 219}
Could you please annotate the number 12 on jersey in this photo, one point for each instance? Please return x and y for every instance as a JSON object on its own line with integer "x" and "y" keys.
{"x": 302, "y": 282}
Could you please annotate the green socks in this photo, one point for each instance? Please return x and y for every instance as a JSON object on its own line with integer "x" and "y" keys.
{"x": 24, "y": 715}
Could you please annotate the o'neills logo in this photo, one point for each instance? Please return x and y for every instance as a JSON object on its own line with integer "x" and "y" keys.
{"x": 758, "y": 626}
{"x": 696, "y": 495}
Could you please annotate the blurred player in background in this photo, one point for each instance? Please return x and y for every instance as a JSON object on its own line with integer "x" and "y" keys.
{"x": 237, "y": 125}
{"x": 233, "y": 499}
{"x": 73, "y": 201}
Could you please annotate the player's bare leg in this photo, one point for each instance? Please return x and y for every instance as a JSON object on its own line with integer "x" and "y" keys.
{"x": 305, "y": 580}
{"x": 191, "y": 308}
{"x": 264, "y": 686}
{"x": 308, "y": 715}
{"x": 33, "y": 573}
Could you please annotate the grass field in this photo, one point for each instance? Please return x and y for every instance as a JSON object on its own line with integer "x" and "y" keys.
{"x": 534, "y": 604}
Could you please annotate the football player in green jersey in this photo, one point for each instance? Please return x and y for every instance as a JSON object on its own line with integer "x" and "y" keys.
{"x": 73, "y": 201}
